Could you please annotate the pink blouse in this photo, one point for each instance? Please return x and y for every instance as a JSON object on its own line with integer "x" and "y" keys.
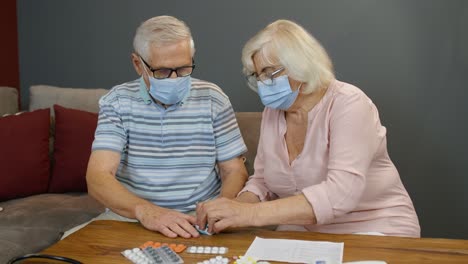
{"x": 344, "y": 169}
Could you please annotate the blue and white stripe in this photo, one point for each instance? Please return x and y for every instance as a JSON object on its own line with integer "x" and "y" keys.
{"x": 169, "y": 155}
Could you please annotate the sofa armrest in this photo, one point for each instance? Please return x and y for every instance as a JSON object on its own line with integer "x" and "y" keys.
{"x": 31, "y": 224}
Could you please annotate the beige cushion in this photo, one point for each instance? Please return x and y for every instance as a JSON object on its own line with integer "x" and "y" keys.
{"x": 8, "y": 100}
{"x": 43, "y": 96}
{"x": 249, "y": 125}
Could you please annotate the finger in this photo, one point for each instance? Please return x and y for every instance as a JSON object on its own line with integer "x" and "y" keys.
{"x": 167, "y": 232}
{"x": 188, "y": 227}
{"x": 179, "y": 231}
{"x": 221, "y": 225}
{"x": 211, "y": 223}
{"x": 201, "y": 215}
{"x": 190, "y": 218}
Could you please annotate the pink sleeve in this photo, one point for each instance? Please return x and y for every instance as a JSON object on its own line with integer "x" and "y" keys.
{"x": 256, "y": 183}
{"x": 354, "y": 136}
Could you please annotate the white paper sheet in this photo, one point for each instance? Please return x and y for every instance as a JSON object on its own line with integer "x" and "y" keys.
{"x": 296, "y": 251}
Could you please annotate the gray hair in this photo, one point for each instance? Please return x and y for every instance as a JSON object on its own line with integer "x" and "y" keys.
{"x": 160, "y": 31}
{"x": 295, "y": 49}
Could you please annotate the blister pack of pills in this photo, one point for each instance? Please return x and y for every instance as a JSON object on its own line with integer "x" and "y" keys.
{"x": 150, "y": 255}
{"x": 202, "y": 231}
{"x": 215, "y": 260}
{"x": 178, "y": 248}
{"x": 207, "y": 250}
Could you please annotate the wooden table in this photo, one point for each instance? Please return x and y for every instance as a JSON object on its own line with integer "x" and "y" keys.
{"x": 102, "y": 242}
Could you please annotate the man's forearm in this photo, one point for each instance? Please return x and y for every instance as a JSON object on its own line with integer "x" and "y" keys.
{"x": 233, "y": 177}
{"x": 231, "y": 186}
{"x": 248, "y": 197}
{"x": 107, "y": 190}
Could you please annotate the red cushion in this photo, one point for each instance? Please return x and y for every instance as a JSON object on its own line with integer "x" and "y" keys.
{"x": 24, "y": 154}
{"x": 74, "y": 135}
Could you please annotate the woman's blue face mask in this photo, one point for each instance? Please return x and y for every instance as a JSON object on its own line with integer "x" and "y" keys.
{"x": 279, "y": 94}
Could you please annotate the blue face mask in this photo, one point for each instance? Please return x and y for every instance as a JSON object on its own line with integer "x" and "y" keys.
{"x": 169, "y": 91}
{"x": 279, "y": 95}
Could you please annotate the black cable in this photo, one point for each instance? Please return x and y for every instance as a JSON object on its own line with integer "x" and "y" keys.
{"x": 45, "y": 256}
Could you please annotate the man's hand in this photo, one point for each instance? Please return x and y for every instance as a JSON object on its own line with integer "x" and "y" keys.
{"x": 168, "y": 222}
{"x": 223, "y": 213}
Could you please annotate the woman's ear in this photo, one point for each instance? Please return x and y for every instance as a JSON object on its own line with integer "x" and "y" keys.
{"x": 301, "y": 86}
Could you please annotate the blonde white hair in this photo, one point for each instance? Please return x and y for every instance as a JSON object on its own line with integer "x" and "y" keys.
{"x": 290, "y": 45}
{"x": 160, "y": 31}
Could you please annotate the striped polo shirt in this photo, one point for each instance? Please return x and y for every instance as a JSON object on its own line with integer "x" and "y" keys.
{"x": 168, "y": 156}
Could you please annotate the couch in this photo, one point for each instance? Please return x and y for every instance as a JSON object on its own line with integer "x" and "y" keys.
{"x": 32, "y": 217}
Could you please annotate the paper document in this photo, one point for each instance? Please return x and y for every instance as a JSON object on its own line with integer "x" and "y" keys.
{"x": 296, "y": 251}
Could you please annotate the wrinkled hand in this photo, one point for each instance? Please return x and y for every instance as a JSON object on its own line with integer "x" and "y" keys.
{"x": 168, "y": 222}
{"x": 223, "y": 213}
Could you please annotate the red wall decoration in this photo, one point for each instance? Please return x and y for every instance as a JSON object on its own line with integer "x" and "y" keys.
{"x": 9, "y": 64}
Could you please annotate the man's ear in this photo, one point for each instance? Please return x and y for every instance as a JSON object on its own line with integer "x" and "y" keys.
{"x": 136, "y": 61}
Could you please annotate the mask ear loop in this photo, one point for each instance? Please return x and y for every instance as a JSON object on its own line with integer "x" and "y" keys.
{"x": 148, "y": 87}
{"x": 149, "y": 77}
{"x": 144, "y": 67}
{"x": 299, "y": 88}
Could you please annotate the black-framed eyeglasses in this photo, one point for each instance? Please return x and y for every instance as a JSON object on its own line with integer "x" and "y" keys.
{"x": 267, "y": 77}
{"x": 163, "y": 73}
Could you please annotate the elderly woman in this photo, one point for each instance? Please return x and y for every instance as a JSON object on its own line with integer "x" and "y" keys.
{"x": 322, "y": 162}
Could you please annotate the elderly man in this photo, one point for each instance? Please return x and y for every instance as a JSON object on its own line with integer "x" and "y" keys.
{"x": 166, "y": 140}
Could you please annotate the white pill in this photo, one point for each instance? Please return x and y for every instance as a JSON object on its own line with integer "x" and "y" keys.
{"x": 207, "y": 250}
{"x": 225, "y": 260}
{"x": 192, "y": 250}
{"x": 222, "y": 250}
{"x": 200, "y": 249}
{"x": 206, "y": 262}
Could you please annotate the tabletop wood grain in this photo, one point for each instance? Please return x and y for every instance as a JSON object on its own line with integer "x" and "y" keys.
{"x": 102, "y": 241}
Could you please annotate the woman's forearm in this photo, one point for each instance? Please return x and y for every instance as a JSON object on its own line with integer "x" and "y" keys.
{"x": 295, "y": 210}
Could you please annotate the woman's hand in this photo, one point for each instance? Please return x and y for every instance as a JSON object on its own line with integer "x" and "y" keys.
{"x": 222, "y": 213}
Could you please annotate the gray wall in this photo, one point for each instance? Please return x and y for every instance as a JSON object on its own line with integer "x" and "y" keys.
{"x": 410, "y": 57}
